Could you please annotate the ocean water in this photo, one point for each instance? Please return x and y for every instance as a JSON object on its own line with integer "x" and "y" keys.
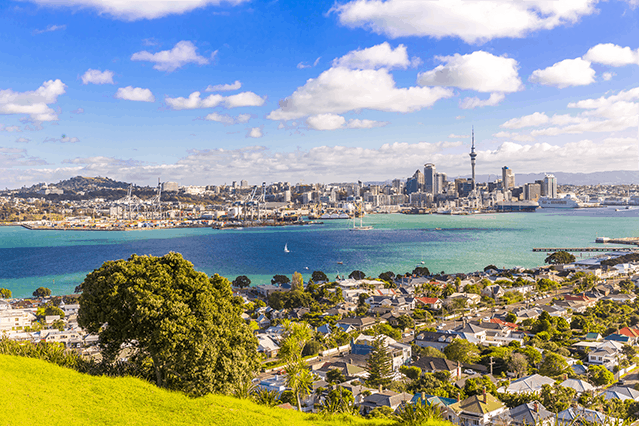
{"x": 61, "y": 259}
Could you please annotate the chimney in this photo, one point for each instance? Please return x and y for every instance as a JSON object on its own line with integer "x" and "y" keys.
{"x": 380, "y": 388}
{"x": 457, "y": 396}
{"x": 536, "y": 405}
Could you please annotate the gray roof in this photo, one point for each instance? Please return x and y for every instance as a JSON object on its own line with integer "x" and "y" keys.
{"x": 529, "y": 413}
{"x": 621, "y": 392}
{"x": 531, "y": 383}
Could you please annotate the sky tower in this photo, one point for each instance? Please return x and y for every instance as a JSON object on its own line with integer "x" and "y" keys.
{"x": 473, "y": 155}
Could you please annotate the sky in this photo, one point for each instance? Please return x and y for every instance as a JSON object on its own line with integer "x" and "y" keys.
{"x": 206, "y": 92}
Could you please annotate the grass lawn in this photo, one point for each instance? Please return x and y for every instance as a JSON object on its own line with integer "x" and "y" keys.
{"x": 37, "y": 392}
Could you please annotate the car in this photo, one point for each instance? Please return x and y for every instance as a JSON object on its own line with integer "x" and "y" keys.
{"x": 469, "y": 372}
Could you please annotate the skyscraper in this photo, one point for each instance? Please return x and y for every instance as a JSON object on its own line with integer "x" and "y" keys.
{"x": 550, "y": 185}
{"x": 473, "y": 155}
{"x": 507, "y": 178}
{"x": 430, "y": 178}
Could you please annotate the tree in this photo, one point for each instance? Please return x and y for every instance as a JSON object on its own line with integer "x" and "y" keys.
{"x": 357, "y": 275}
{"x": 556, "y": 398}
{"x": 298, "y": 377}
{"x": 319, "y": 277}
{"x": 49, "y": 310}
{"x": 280, "y": 279}
{"x": 42, "y": 292}
{"x": 334, "y": 375}
{"x": 298, "y": 282}
{"x": 404, "y": 322}
{"x": 600, "y": 375}
{"x": 378, "y": 364}
{"x": 448, "y": 290}
{"x": 560, "y": 257}
{"x": 518, "y": 364}
{"x": 242, "y": 281}
{"x": 462, "y": 350}
{"x": 552, "y": 365}
{"x": 412, "y": 373}
{"x": 421, "y": 271}
{"x": 183, "y": 324}
{"x": 489, "y": 267}
{"x": 510, "y": 317}
{"x": 387, "y": 276}
{"x": 5, "y": 293}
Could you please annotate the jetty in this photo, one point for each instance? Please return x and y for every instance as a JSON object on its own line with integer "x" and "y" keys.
{"x": 583, "y": 249}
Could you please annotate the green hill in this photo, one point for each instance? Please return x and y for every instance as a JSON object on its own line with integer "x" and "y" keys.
{"x": 37, "y": 392}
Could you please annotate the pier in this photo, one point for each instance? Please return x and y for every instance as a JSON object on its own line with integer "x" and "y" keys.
{"x": 584, "y": 249}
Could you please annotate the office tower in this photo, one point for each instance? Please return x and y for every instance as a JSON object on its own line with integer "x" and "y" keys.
{"x": 550, "y": 185}
{"x": 430, "y": 180}
{"x": 507, "y": 178}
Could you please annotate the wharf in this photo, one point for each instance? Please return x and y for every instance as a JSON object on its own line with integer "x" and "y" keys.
{"x": 241, "y": 225}
{"x": 583, "y": 249}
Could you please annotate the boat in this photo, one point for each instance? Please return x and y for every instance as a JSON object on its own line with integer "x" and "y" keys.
{"x": 340, "y": 263}
{"x": 286, "y": 250}
{"x": 361, "y": 226}
{"x": 567, "y": 202}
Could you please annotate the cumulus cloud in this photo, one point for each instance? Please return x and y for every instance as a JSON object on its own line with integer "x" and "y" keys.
{"x": 194, "y": 101}
{"x": 224, "y": 87}
{"x": 475, "y": 102}
{"x": 535, "y": 119}
{"x": 135, "y": 10}
{"x": 473, "y": 21}
{"x": 49, "y": 29}
{"x": 569, "y": 72}
{"x": 255, "y": 132}
{"x": 338, "y": 90}
{"x": 97, "y": 77}
{"x": 227, "y": 119}
{"x": 612, "y": 54}
{"x": 607, "y": 76}
{"x": 184, "y": 52}
{"x": 16, "y": 157}
{"x": 514, "y": 136}
{"x": 334, "y": 122}
{"x": 454, "y": 136}
{"x": 78, "y": 111}
{"x": 479, "y": 71}
{"x": 23, "y": 140}
{"x": 131, "y": 93}
{"x": 35, "y": 103}
{"x": 380, "y": 56}
{"x": 4, "y": 128}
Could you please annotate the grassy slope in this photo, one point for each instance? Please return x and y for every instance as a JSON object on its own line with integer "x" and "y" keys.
{"x": 36, "y": 391}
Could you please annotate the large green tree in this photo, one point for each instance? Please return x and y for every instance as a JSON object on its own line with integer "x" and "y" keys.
{"x": 379, "y": 364}
{"x": 319, "y": 277}
{"x": 242, "y": 281}
{"x": 184, "y": 324}
{"x": 5, "y": 293}
{"x": 42, "y": 292}
{"x": 462, "y": 350}
{"x": 560, "y": 257}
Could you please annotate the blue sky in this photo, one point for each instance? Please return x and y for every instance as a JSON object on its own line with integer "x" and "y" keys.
{"x": 210, "y": 91}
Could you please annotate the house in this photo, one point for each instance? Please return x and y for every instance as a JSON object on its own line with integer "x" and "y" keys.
{"x": 593, "y": 337}
{"x": 524, "y": 313}
{"x": 430, "y": 364}
{"x": 476, "y": 410}
{"x": 602, "y": 355}
{"x": 433, "y": 303}
{"x": 470, "y": 298}
{"x": 16, "y": 319}
{"x": 384, "y": 398}
{"x": 359, "y": 391}
{"x": 528, "y": 384}
{"x": 579, "y": 416}
{"x": 434, "y": 339}
{"x": 423, "y": 398}
{"x": 358, "y": 323}
{"x": 620, "y": 392}
{"x": 532, "y": 413}
{"x": 494, "y": 291}
{"x": 348, "y": 370}
{"x": 399, "y": 352}
{"x": 633, "y": 333}
{"x": 266, "y": 345}
{"x": 580, "y": 386}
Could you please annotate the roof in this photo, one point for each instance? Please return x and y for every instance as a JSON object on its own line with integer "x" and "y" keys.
{"x": 430, "y": 363}
{"x": 428, "y": 300}
{"x": 630, "y": 332}
{"x": 504, "y": 323}
{"x": 620, "y": 392}
{"x": 584, "y": 414}
{"x": 531, "y": 383}
{"x": 529, "y": 413}
{"x": 475, "y": 404}
{"x": 578, "y": 385}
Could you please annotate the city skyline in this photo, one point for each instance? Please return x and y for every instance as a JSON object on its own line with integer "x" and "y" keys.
{"x": 206, "y": 92}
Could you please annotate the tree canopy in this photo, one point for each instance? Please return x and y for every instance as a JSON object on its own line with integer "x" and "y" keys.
{"x": 357, "y": 275}
{"x": 5, "y": 293}
{"x": 319, "y": 277}
{"x": 560, "y": 257}
{"x": 298, "y": 282}
{"x": 421, "y": 271}
{"x": 280, "y": 279}
{"x": 42, "y": 292}
{"x": 182, "y": 323}
{"x": 242, "y": 281}
{"x": 462, "y": 350}
{"x": 379, "y": 364}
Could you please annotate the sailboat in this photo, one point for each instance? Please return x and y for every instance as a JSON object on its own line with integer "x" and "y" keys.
{"x": 361, "y": 227}
{"x": 286, "y": 250}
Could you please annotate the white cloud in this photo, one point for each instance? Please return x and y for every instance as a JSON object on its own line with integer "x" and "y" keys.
{"x": 50, "y": 28}
{"x": 515, "y": 136}
{"x": 474, "y": 21}
{"x": 334, "y": 122}
{"x": 97, "y": 77}
{"x": 234, "y": 101}
{"x": 134, "y": 10}
{"x": 9, "y": 128}
{"x": 535, "y": 119}
{"x": 78, "y": 111}
{"x": 255, "y": 132}
{"x": 23, "y": 140}
{"x": 184, "y": 52}
{"x": 480, "y": 71}
{"x": 227, "y": 119}
{"x": 338, "y": 90}
{"x": 612, "y": 54}
{"x": 34, "y": 103}
{"x": 607, "y": 76}
{"x": 475, "y": 102}
{"x": 380, "y": 56}
{"x": 63, "y": 139}
{"x": 304, "y": 65}
{"x": 454, "y": 136}
{"x": 224, "y": 87}
{"x": 569, "y": 72}
{"x": 15, "y": 157}
{"x": 131, "y": 93}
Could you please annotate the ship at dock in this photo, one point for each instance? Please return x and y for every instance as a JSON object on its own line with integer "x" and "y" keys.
{"x": 567, "y": 202}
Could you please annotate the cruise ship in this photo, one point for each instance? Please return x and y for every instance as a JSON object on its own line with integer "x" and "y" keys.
{"x": 567, "y": 202}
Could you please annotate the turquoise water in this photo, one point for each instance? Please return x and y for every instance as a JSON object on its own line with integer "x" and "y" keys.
{"x": 61, "y": 259}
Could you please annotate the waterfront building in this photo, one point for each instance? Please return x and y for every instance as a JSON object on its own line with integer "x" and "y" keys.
{"x": 550, "y": 186}
{"x": 507, "y": 178}
{"x": 532, "y": 191}
{"x": 430, "y": 178}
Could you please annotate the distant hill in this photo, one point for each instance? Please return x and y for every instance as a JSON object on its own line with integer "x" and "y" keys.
{"x": 38, "y": 392}
{"x": 81, "y": 183}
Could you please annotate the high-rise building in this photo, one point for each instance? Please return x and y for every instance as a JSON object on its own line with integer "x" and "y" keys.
{"x": 507, "y": 178}
{"x": 244, "y": 184}
{"x": 473, "y": 155}
{"x": 430, "y": 178}
{"x": 415, "y": 183}
{"x": 532, "y": 191}
{"x": 550, "y": 185}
